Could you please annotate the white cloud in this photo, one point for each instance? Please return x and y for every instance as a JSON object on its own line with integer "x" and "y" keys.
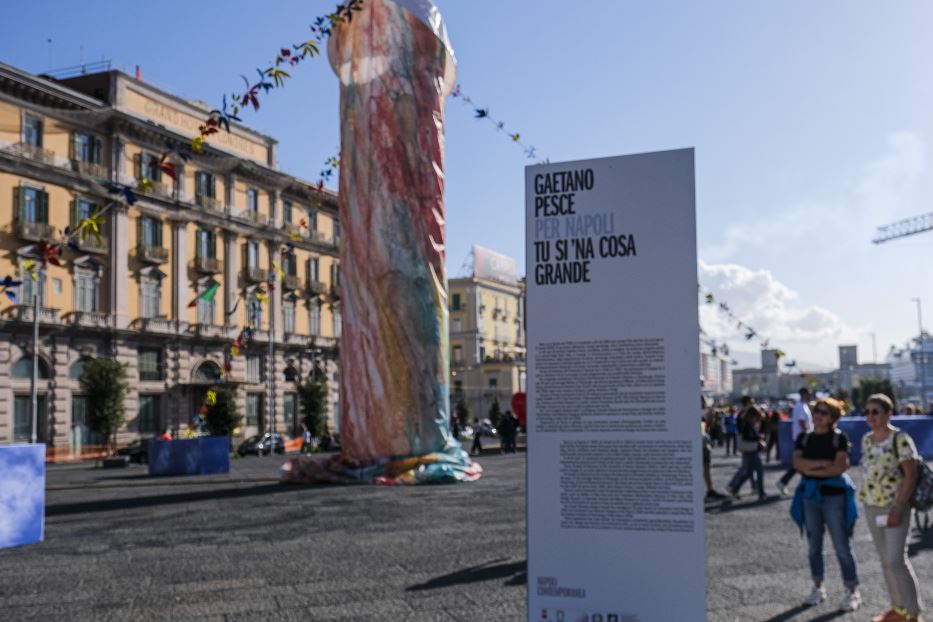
{"x": 22, "y": 492}
{"x": 772, "y": 309}
{"x": 885, "y": 190}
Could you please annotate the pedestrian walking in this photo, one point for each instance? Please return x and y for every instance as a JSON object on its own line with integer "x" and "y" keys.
{"x": 731, "y": 431}
{"x": 802, "y": 421}
{"x": 774, "y": 426}
{"x": 750, "y": 446}
{"x": 711, "y": 493}
{"x": 305, "y": 439}
{"x": 477, "y": 448}
{"x": 825, "y": 500}
{"x": 890, "y": 471}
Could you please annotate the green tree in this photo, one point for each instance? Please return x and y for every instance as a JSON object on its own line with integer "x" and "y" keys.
{"x": 312, "y": 396}
{"x": 105, "y": 386}
{"x": 495, "y": 414}
{"x": 222, "y": 418}
{"x": 869, "y": 386}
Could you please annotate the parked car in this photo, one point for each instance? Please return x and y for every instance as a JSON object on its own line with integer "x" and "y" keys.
{"x": 137, "y": 451}
{"x": 487, "y": 428}
{"x": 262, "y": 445}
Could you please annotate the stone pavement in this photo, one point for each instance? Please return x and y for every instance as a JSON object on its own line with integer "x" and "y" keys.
{"x": 122, "y": 546}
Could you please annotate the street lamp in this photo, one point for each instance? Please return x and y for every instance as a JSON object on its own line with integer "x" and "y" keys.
{"x": 922, "y": 358}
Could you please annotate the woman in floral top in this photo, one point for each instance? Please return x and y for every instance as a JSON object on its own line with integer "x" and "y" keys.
{"x": 889, "y": 464}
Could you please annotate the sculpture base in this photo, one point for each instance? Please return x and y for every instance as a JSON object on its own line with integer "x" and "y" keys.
{"x": 450, "y": 466}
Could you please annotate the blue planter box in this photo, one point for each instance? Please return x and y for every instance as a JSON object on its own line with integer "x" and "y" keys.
{"x": 919, "y": 428}
{"x": 22, "y": 494}
{"x": 207, "y": 455}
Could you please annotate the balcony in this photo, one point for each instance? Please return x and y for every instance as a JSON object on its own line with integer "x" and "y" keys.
{"x": 253, "y": 217}
{"x": 318, "y": 341}
{"x": 317, "y": 287}
{"x": 292, "y": 230}
{"x": 90, "y": 319}
{"x": 90, "y": 169}
{"x": 165, "y": 191}
{"x": 159, "y": 325}
{"x": 209, "y": 203}
{"x": 291, "y": 281}
{"x": 91, "y": 244}
{"x": 209, "y": 330}
{"x": 23, "y": 313}
{"x": 294, "y": 339}
{"x": 208, "y": 265}
{"x": 152, "y": 254}
{"x": 32, "y": 152}
{"x": 335, "y": 291}
{"x": 33, "y": 231}
{"x": 321, "y": 238}
{"x": 255, "y": 275}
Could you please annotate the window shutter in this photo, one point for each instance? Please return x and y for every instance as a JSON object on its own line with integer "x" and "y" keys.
{"x": 140, "y": 240}
{"x": 18, "y": 204}
{"x": 157, "y": 224}
{"x": 213, "y": 244}
{"x": 73, "y": 146}
{"x": 156, "y": 170}
{"x": 138, "y": 166}
{"x": 213, "y": 186}
{"x": 97, "y": 149}
{"x": 74, "y": 212}
{"x": 43, "y": 208}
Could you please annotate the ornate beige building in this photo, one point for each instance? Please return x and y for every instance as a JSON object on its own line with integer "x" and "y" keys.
{"x": 224, "y": 220}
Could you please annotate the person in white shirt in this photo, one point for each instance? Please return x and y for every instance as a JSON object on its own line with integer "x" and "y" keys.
{"x": 802, "y": 422}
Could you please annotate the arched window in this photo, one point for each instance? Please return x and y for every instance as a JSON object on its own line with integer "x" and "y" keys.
{"x": 208, "y": 371}
{"x": 291, "y": 374}
{"x": 23, "y": 369}
{"x": 77, "y": 368}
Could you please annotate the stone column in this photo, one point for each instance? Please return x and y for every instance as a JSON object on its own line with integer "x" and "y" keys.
{"x": 231, "y": 266}
{"x": 119, "y": 266}
{"x": 180, "y": 273}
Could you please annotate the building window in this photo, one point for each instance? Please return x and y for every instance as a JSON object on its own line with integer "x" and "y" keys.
{"x": 253, "y": 408}
{"x": 86, "y": 148}
{"x": 291, "y": 413}
{"x": 77, "y": 368}
{"x": 150, "y": 296}
{"x": 149, "y": 363}
{"x": 335, "y": 313}
{"x": 312, "y": 219}
{"x": 336, "y": 231}
{"x": 288, "y": 310}
{"x": 82, "y": 209}
{"x": 87, "y": 291}
{"x": 22, "y": 418}
{"x": 207, "y": 372}
{"x": 456, "y": 303}
{"x": 33, "y": 205}
{"x": 335, "y": 275}
{"x": 290, "y": 264}
{"x": 149, "y": 167}
{"x": 314, "y": 269}
{"x": 31, "y": 289}
{"x": 482, "y": 353}
{"x": 315, "y": 318}
{"x": 150, "y": 231}
{"x": 204, "y": 185}
{"x": 252, "y": 200}
{"x": 32, "y": 131}
{"x": 205, "y": 307}
{"x": 286, "y": 211}
{"x": 207, "y": 244}
{"x": 252, "y": 254}
{"x": 22, "y": 369}
{"x": 253, "y": 368}
{"x": 457, "y": 325}
{"x": 254, "y": 311}
{"x": 458, "y": 389}
{"x": 458, "y": 354}
{"x": 149, "y": 420}
{"x": 493, "y": 381}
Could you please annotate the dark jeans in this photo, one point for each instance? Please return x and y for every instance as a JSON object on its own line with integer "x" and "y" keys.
{"x": 731, "y": 438}
{"x": 751, "y": 463}
{"x": 829, "y": 515}
{"x": 477, "y": 447}
{"x": 773, "y": 442}
{"x": 788, "y": 475}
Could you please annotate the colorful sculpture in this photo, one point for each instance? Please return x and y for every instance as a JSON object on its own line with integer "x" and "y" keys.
{"x": 395, "y": 66}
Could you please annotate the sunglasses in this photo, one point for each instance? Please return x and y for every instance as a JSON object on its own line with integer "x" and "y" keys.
{"x": 821, "y": 411}
{"x": 873, "y": 411}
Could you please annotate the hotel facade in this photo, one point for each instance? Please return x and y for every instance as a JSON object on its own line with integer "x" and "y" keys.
{"x": 223, "y": 221}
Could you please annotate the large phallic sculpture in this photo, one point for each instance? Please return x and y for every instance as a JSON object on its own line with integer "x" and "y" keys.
{"x": 395, "y": 66}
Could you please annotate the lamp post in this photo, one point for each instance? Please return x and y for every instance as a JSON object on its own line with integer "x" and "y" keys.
{"x": 33, "y": 380}
{"x": 922, "y": 358}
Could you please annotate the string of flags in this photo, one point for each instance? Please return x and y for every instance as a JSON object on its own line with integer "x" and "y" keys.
{"x": 749, "y": 333}
{"x": 486, "y": 115}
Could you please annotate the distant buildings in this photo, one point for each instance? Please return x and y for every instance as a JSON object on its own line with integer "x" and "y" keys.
{"x": 910, "y": 366}
{"x": 487, "y": 334}
{"x": 768, "y": 381}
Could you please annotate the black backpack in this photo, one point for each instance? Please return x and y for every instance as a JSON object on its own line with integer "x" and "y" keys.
{"x": 922, "y": 499}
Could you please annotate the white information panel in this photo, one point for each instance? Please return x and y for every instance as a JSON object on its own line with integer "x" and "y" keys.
{"x": 615, "y": 487}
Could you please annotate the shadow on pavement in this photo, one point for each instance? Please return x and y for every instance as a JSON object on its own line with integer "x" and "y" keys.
{"x": 515, "y": 572}
{"x": 923, "y": 541}
{"x": 109, "y": 505}
{"x": 728, "y": 505}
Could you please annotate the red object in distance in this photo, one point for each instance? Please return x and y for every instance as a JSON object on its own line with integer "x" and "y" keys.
{"x": 518, "y": 406}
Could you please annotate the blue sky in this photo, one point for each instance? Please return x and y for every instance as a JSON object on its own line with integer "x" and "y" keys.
{"x": 812, "y": 124}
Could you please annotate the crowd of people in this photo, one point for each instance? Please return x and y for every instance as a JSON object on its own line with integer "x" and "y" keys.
{"x": 826, "y": 498}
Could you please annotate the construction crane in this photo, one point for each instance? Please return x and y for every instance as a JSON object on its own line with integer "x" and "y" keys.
{"x": 904, "y": 228}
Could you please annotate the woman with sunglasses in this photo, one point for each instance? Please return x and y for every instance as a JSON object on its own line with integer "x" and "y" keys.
{"x": 825, "y": 500}
{"x": 889, "y": 465}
